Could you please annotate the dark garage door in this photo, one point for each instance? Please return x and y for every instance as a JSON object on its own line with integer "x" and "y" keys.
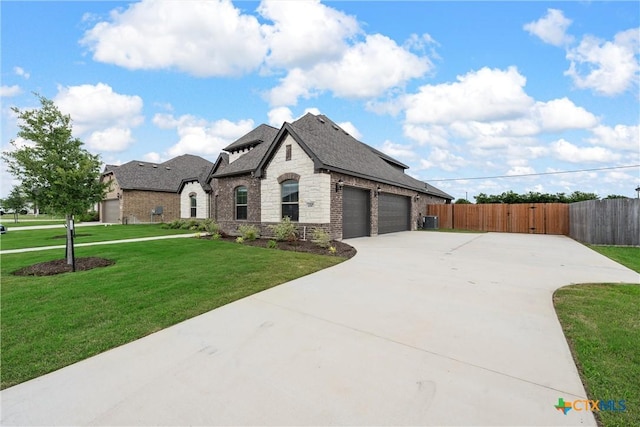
{"x": 111, "y": 211}
{"x": 393, "y": 213}
{"x": 355, "y": 212}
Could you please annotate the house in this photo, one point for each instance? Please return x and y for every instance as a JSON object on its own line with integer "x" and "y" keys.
{"x": 157, "y": 192}
{"x": 319, "y": 176}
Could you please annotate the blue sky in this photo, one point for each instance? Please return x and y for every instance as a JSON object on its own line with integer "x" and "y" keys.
{"x": 452, "y": 89}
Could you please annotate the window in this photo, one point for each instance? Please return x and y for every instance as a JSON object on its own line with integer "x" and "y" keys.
{"x": 194, "y": 205}
{"x": 288, "y": 152}
{"x": 290, "y": 199}
{"x": 241, "y": 202}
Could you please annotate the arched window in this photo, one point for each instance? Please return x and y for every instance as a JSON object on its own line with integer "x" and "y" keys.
{"x": 194, "y": 205}
{"x": 290, "y": 199}
{"x": 241, "y": 202}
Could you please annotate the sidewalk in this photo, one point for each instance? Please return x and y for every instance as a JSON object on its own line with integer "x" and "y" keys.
{"x": 108, "y": 242}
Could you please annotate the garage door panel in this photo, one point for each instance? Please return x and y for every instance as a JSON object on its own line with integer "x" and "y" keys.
{"x": 393, "y": 213}
{"x": 355, "y": 213}
{"x": 111, "y": 211}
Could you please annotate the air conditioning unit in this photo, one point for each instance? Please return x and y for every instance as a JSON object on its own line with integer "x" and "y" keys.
{"x": 430, "y": 222}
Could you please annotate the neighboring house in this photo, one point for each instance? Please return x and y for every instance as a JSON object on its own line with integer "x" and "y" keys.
{"x": 142, "y": 192}
{"x": 318, "y": 175}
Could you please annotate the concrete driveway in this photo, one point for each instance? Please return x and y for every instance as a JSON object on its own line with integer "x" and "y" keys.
{"x": 417, "y": 329}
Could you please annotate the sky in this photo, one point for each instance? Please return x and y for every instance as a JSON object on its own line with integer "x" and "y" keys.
{"x": 475, "y": 97}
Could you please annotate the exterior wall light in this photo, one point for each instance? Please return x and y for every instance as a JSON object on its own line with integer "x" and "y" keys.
{"x": 377, "y": 192}
{"x": 417, "y": 197}
{"x": 339, "y": 185}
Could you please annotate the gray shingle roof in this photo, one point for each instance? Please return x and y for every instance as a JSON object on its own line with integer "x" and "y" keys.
{"x": 263, "y": 133}
{"x": 164, "y": 177}
{"x": 260, "y": 138}
{"x": 331, "y": 148}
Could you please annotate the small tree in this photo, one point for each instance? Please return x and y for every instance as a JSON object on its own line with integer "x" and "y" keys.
{"x": 65, "y": 175}
{"x": 15, "y": 202}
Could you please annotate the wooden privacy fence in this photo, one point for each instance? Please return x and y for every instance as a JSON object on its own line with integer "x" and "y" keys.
{"x": 536, "y": 218}
{"x": 606, "y": 222}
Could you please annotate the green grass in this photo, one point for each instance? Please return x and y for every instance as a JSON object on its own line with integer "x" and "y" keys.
{"x": 602, "y": 325}
{"x": 98, "y": 233}
{"x": 625, "y": 255}
{"x": 52, "y": 322}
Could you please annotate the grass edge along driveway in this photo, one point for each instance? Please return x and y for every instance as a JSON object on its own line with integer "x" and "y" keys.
{"x": 52, "y": 322}
{"x": 601, "y": 322}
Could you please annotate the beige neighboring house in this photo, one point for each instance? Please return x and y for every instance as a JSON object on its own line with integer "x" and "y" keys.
{"x": 143, "y": 192}
{"x": 319, "y": 176}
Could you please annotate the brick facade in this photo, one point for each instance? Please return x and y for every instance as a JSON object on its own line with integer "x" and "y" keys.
{"x": 137, "y": 206}
{"x": 223, "y": 203}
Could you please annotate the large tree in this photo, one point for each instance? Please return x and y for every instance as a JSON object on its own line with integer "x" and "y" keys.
{"x": 51, "y": 161}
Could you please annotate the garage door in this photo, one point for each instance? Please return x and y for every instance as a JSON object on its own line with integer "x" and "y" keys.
{"x": 355, "y": 213}
{"x": 111, "y": 211}
{"x": 393, "y": 213}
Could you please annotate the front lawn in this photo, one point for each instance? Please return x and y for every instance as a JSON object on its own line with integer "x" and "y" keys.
{"x": 602, "y": 325}
{"x": 54, "y": 321}
{"x": 18, "y": 239}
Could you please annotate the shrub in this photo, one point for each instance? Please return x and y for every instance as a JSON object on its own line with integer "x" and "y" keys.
{"x": 216, "y": 236}
{"x": 320, "y": 237}
{"x": 89, "y": 217}
{"x": 192, "y": 224}
{"x": 272, "y": 244}
{"x": 332, "y": 250}
{"x": 239, "y": 240}
{"x": 285, "y": 231}
{"x": 210, "y": 226}
{"x": 249, "y": 232}
{"x": 177, "y": 224}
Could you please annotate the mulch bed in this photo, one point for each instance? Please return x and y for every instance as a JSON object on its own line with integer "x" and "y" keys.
{"x": 342, "y": 249}
{"x": 60, "y": 266}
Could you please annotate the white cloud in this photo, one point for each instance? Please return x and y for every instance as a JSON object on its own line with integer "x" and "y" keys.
{"x": 397, "y": 150}
{"x": 551, "y": 29}
{"x": 569, "y": 152}
{"x": 351, "y": 129}
{"x": 199, "y": 136}
{"x": 608, "y": 67}
{"x": 279, "y": 115}
{"x": 483, "y": 95}
{"x": 434, "y": 135}
{"x": 9, "y": 91}
{"x": 110, "y": 139}
{"x": 367, "y": 69}
{"x": 305, "y": 33}
{"x": 202, "y": 38}
{"x": 562, "y": 114}
{"x": 19, "y": 71}
{"x": 619, "y": 137}
{"x": 101, "y": 117}
{"x": 490, "y": 110}
{"x": 443, "y": 159}
{"x": 152, "y": 157}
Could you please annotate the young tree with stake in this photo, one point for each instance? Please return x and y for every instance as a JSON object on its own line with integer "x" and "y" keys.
{"x": 53, "y": 163}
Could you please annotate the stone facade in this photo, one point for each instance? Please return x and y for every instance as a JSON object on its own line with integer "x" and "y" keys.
{"x": 202, "y": 201}
{"x": 314, "y": 200}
